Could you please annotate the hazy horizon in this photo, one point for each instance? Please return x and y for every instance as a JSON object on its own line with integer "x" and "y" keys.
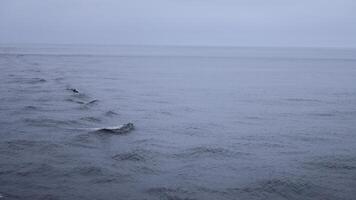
{"x": 176, "y": 45}
{"x": 239, "y": 23}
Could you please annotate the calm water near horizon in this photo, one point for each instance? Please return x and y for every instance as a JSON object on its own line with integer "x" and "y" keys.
{"x": 210, "y": 123}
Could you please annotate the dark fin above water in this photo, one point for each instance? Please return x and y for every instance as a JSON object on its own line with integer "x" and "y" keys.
{"x": 73, "y": 90}
{"x": 125, "y": 128}
{"x": 110, "y": 113}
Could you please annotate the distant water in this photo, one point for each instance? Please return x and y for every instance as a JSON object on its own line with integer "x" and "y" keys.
{"x": 211, "y": 123}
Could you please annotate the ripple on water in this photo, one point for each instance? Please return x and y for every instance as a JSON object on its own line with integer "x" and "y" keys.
{"x": 29, "y": 80}
{"x": 81, "y": 96}
{"x": 138, "y": 161}
{"x": 84, "y": 140}
{"x": 170, "y": 193}
{"x": 332, "y": 163}
{"x": 45, "y": 122}
{"x": 208, "y": 152}
{"x": 37, "y": 169}
{"x": 88, "y": 171}
{"x": 20, "y": 146}
{"x": 281, "y": 189}
{"x": 303, "y": 100}
{"x": 309, "y": 138}
{"x": 29, "y": 170}
{"x": 331, "y": 114}
{"x": 135, "y": 156}
{"x": 91, "y": 119}
{"x": 73, "y": 100}
{"x": 33, "y": 196}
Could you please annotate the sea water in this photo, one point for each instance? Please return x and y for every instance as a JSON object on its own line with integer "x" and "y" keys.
{"x": 210, "y": 122}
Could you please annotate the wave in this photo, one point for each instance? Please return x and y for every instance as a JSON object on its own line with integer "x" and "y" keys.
{"x": 130, "y": 156}
{"x": 20, "y": 146}
{"x": 208, "y": 152}
{"x": 91, "y": 119}
{"x": 332, "y": 163}
{"x": 46, "y": 122}
{"x": 28, "y": 80}
{"x": 170, "y": 193}
{"x": 303, "y": 100}
{"x": 281, "y": 189}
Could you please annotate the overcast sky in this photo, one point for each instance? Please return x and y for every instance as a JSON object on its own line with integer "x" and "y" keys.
{"x": 180, "y": 22}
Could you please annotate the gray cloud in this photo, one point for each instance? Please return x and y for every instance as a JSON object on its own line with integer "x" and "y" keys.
{"x": 182, "y": 22}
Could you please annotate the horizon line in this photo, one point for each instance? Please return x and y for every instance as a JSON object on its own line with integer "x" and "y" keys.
{"x": 181, "y": 45}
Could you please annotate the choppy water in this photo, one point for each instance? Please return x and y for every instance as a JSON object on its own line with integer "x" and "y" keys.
{"x": 211, "y": 123}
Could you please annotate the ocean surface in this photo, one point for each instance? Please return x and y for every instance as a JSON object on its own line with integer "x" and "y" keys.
{"x": 210, "y": 123}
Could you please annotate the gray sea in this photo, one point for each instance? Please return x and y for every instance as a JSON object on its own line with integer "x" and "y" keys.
{"x": 210, "y": 123}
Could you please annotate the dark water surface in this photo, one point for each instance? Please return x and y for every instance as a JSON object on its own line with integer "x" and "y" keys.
{"x": 211, "y": 123}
